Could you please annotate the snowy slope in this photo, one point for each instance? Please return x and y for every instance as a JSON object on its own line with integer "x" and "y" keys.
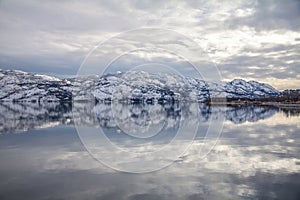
{"x": 252, "y": 89}
{"x": 136, "y": 86}
{"x": 239, "y": 88}
{"x": 24, "y": 87}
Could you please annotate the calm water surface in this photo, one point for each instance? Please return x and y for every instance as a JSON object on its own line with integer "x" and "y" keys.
{"x": 256, "y": 154}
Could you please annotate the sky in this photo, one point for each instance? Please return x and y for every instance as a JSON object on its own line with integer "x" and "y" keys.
{"x": 252, "y": 40}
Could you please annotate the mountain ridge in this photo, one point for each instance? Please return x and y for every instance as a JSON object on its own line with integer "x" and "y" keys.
{"x": 132, "y": 86}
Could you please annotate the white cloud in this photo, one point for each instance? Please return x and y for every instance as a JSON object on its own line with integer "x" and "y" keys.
{"x": 55, "y": 36}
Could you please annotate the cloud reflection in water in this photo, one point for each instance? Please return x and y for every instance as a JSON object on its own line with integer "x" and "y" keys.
{"x": 257, "y": 155}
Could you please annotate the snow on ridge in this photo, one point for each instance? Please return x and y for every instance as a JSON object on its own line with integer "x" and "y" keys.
{"x": 46, "y": 77}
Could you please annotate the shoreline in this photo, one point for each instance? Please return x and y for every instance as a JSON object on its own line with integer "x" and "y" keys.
{"x": 247, "y": 103}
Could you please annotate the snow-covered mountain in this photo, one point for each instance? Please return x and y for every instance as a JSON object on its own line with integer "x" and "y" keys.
{"x": 132, "y": 86}
{"x": 239, "y": 88}
{"x": 138, "y": 85}
{"x": 22, "y": 86}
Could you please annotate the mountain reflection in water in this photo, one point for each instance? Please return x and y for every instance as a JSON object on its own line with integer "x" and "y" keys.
{"x": 17, "y": 117}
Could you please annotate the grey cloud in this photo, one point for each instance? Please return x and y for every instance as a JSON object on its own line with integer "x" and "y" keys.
{"x": 271, "y": 61}
{"x": 67, "y": 16}
{"x": 270, "y": 15}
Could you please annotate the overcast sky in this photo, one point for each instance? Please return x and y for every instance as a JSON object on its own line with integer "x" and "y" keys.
{"x": 253, "y": 40}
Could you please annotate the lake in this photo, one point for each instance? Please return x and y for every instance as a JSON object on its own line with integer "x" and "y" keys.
{"x": 148, "y": 151}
